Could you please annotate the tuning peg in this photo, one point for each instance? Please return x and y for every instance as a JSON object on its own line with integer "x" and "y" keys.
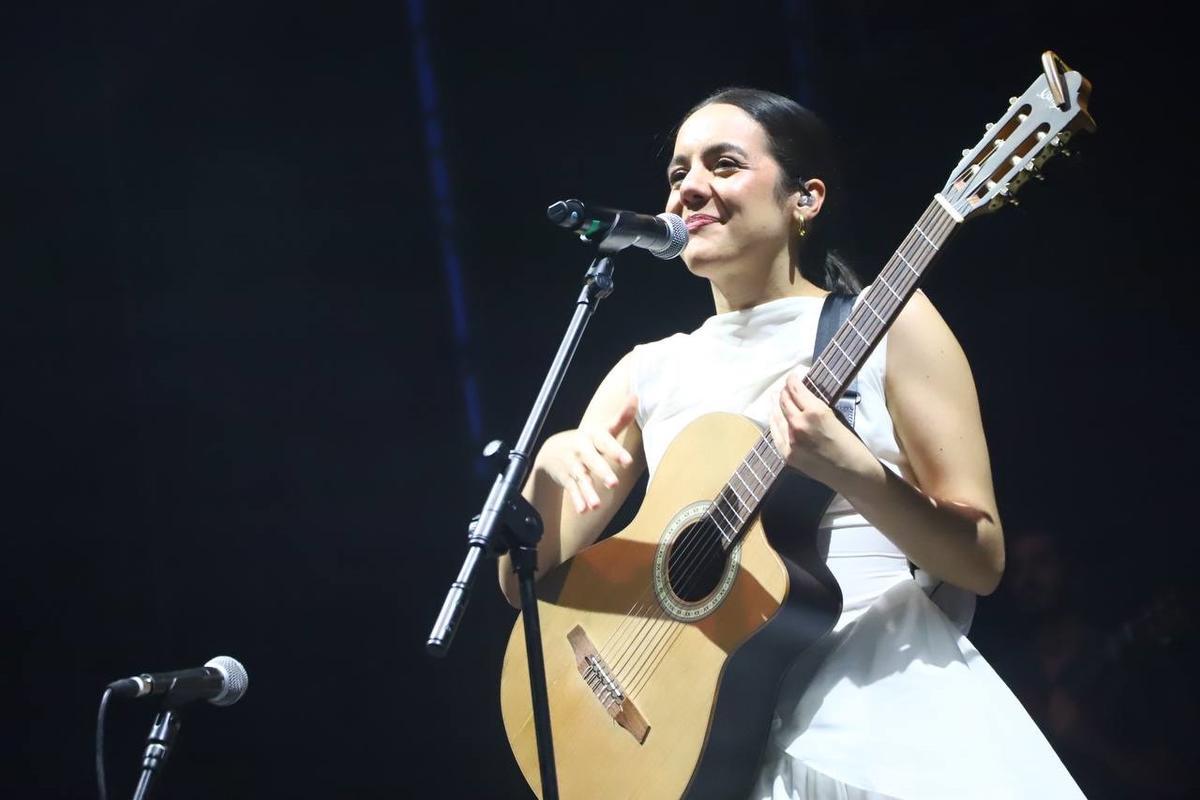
{"x": 966, "y": 152}
{"x": 1012, "y": 101}
{"x": 988, "y": 126}
{"x": 1012, "y": 201}
{"x": 1037, "y": 176}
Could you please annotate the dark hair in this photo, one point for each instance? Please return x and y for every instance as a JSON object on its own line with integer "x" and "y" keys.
{"x": 803, "y": 148}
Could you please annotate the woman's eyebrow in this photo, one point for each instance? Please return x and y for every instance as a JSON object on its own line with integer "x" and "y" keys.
{"x": 709, "y": 152}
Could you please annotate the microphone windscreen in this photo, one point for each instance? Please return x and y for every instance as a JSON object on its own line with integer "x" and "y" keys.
{"x": 236, "y": 680}
{"x": 679, "y": 236}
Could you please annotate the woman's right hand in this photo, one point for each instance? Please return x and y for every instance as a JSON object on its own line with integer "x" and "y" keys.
{"x": 576, "y": 458}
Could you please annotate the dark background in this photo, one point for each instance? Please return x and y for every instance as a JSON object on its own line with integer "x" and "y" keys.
{"x": 245, "y": 391}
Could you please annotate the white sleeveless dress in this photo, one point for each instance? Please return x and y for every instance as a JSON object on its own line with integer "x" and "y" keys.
{"x": 896, "y": 702}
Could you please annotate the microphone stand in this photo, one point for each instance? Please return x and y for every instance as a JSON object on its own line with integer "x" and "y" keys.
{"x": 164, "y": 730}
{"x": 509, "y": 523}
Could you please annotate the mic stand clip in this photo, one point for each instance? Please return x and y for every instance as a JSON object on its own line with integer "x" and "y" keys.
{"x": 158, "y": 747}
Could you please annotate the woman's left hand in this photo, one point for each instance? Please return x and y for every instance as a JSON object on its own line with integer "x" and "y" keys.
{"x": 813, "y": 440}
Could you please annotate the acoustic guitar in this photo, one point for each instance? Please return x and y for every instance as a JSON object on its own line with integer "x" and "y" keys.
{"x": 665, "y": 644}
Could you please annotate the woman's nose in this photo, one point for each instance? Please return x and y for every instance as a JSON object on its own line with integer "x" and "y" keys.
{"x": 693, "y": 190}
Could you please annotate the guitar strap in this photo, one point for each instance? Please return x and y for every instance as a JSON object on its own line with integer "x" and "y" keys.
{"x": 833, "y": 313}
{"x": 957, "y": 604}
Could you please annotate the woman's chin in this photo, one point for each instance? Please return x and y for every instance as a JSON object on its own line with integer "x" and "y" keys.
{"x": 703, "y": 263}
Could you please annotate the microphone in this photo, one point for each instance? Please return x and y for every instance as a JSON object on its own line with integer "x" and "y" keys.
{"x": 222, "y": 682}
{"x": 664, "y": 236}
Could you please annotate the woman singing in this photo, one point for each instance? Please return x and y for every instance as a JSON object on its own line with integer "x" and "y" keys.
{"x": 895, "y": 702}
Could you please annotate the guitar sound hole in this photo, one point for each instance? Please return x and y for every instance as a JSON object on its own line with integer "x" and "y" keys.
{"x": 696, "y": 562}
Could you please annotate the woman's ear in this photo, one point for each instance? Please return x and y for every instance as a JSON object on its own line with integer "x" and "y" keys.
{"x": 808, "y": 201}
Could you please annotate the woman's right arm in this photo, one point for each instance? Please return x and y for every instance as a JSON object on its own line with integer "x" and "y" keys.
{"x": 582, "y": 476}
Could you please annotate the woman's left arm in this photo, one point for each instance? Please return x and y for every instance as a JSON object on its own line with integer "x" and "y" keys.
{"x": 950, "y": 526}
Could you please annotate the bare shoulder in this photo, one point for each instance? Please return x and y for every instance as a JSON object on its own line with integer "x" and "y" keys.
{"x": 612, "y": 392}
{"x": 934, "y": 406}
{"x": 921, "y": 340}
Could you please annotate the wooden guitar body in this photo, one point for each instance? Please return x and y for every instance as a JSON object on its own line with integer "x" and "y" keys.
{"x": 697, "y": 696}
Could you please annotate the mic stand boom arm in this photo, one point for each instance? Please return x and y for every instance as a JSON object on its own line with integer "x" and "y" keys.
{"x": 508, "y": 522}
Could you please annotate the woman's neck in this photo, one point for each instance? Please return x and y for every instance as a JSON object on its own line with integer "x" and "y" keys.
{"x": 739, "y": 292}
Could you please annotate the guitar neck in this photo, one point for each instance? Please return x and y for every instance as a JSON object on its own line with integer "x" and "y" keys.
{"x": 835, "y": 367}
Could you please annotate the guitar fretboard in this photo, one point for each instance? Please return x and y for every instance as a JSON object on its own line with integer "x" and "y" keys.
{"x": 835, "y": 367}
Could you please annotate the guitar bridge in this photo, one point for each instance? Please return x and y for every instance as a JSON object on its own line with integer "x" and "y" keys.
{"x": 604, "y": 685}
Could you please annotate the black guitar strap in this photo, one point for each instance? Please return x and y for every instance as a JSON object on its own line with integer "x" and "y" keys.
{"x": 833, "y": 313}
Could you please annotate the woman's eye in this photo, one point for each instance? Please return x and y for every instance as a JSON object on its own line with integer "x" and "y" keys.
{"x": 676, "y": 177}
{"x": 726, "y": 164}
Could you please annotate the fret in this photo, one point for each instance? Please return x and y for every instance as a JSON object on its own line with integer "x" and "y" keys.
{"x": 854, "y": 328}
{"x": 821, "y": 361}
{"x": 888, "y": 286}
{"x": 771, "y": 449}
{"x": 771, "y": 470}
{"x": 816, "y": 389}
{"x": 834, "y": 342}
{"x": 761, "y": 460}
{"x": 875, "y": 313}
{"x": 757, "y": 479}
{"x": 919, "y": 230}
{"x": 910, "y": 266}
{"x": 739, "y": 509}
{"x": 903, "y": 283}
{"x": 815, "y": 370}
{"x": 742, "y": 480}
{"x": 717, "y": 505}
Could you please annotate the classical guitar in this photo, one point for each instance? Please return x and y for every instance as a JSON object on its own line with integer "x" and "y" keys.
{"x": 665, "y": 644}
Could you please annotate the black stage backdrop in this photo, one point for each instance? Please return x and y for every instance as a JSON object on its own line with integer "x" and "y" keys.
{"x": 274, "y": 273}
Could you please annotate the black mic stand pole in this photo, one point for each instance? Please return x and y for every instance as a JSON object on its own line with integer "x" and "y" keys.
{"x": 158, "y": 747}
{"x": 507, "y": 513}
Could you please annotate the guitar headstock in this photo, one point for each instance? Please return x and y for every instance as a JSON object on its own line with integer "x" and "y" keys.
{"x": 1036, "y": 126}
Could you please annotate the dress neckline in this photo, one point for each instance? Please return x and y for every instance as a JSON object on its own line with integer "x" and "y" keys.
{"x": 760, "y": 321}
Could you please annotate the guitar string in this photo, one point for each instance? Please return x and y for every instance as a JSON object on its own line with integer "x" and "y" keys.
{"x": 704, "y": 528}
{"x": 659, "y": 652}
{"x": 698, "y": 539}
{"x": 701, "y": 554}
{"x": 906, "y": 249}
{"x": 700, "y": 551}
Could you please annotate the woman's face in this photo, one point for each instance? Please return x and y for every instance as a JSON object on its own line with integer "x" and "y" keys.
{"x": 724, "y": 183}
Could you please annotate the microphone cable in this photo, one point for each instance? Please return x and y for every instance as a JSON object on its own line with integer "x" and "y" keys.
{"x": 100, "y": 781}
